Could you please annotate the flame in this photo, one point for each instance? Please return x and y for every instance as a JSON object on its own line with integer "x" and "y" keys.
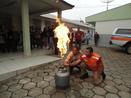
{"x": 61, "y": 32}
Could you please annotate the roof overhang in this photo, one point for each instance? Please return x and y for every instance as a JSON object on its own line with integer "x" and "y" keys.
{"x": 35, "y": 6}
{"x": 75, "y": 23}
{"x": 118, "y": 13}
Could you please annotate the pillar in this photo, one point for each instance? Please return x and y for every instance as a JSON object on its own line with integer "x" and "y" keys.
{"x": 59, "y": 15}
{"x": 25, "y": 27}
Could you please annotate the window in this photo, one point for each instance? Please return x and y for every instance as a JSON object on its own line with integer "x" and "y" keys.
{"x": 124, "y": 31}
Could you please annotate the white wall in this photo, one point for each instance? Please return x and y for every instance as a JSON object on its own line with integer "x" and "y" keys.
{"x": 106, "y": 28}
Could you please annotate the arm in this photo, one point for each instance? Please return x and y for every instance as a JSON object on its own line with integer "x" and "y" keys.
{"x": 66, "y": 63}
{"x": 67, "y": 60}
{"x": 75, "y": 62}
{"x": 78, "y": 61}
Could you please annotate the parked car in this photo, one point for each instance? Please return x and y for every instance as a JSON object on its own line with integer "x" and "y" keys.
{"x": 122, "y": 37}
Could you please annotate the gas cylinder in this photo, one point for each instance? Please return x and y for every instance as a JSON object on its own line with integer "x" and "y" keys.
{"x": 62, "y": 78}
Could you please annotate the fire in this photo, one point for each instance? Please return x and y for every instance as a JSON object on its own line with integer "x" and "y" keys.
{"x": 61, "y": 33}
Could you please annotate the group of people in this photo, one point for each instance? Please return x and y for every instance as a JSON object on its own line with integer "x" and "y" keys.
{"x": 88, "y": 37}
{"x": 42, "y": 38}
{"x": 9, "y": 39}
{"x": 45, "y": 39}
{"x": 92, "y": 61}
{"x": 86, "y": 60}
{"x": 81, "y": 37}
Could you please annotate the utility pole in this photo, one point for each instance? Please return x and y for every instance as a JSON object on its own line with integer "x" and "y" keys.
{"x": 107, "y": 3}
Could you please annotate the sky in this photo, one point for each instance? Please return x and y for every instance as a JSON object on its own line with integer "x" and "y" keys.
{"x": 84, "y": 8}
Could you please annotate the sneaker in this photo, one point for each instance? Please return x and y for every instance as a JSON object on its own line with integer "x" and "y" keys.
{"x": 84, "y": 76}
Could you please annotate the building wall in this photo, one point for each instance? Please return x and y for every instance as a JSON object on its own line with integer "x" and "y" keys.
{"x": 16, "y": 23}
{"x": 106, "y": 28}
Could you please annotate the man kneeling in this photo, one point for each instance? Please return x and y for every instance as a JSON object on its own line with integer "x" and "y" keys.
{"x": 93, "y": 62}
{"x": 71, "y": 58}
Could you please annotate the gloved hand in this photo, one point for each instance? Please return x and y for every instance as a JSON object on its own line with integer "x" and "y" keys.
{"x": 84, "y": 58}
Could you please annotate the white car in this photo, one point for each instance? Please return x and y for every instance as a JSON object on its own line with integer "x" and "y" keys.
{"x": 122, "y": 37}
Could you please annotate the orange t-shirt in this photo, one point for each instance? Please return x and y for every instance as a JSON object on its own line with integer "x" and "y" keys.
{"x": 93, "y": 62}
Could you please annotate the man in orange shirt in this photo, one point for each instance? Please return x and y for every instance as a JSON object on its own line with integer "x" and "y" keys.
{"x": 93, "y": 63}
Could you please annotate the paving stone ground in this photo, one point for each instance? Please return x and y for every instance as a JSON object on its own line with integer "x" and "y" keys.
{"x": 40, "y": 83}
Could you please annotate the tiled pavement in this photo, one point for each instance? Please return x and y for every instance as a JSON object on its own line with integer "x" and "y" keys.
{"x": 40, "y": 83}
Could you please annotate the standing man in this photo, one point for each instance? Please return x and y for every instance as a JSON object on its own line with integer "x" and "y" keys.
{"x": 96, "y": 38}
{"x": 71, "y": 36}
{"x": 88, "y": 37}
{"x": 78, "y": 37}
{"x": 51, "y": 35}
{"x": 55, "y": 40}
